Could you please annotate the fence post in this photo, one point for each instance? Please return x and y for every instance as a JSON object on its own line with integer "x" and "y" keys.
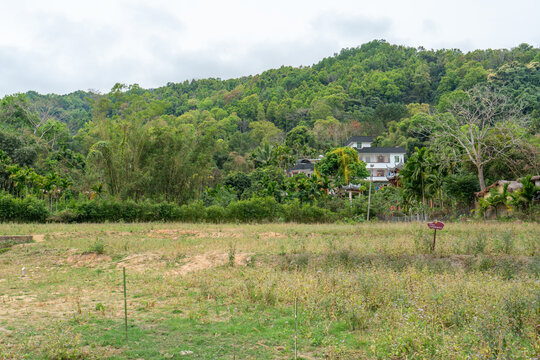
{"x": 125, "y": 306}
{"x": 295, "y": 328}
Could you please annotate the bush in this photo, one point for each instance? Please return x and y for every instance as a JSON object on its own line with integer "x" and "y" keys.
{"x": 100, "y": 210}
{"x": 193, "y": 212}
{"x": 254, "y": 209}
{"x": 215, "y": 214}
{"x": 168, "y": 211}
{"x": 307, "y": 213}
{"x": 29, "y": 209}
{"x": 64, "y": 216}
{"x": 98, "y": 247}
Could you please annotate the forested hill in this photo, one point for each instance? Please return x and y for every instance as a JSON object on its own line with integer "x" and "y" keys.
{"x": 123, "y": 139}
{"x": 352, "y": 85}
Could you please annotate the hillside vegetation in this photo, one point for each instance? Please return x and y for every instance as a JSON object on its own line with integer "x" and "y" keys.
{"x": 219, "y": 140}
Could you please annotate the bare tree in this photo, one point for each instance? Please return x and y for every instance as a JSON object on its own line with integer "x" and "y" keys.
{"x": 482, "y": 125}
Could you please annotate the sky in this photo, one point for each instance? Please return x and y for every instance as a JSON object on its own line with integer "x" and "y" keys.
{"x": 59, "y": 46}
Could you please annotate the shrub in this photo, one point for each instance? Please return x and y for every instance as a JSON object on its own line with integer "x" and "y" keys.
{"x": 168, "y": 211}
{"x": 64, "y": 216}
{"x": 32, "y": 209}
{"x": 193, "y": 212}
{"x": 100, "y": 210}
{"x": 294, "y": 212}
{"x": 254, "y": 209}
{"x": 29, "y": 209}
{"x": 215, "y": 214}
{"x": 98, "y": 247}
{"x": 423, "y": 242}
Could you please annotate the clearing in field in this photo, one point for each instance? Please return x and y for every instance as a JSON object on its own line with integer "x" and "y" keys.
{"x": 228, "y": 291}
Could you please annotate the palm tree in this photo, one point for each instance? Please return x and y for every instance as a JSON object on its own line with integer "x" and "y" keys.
{"x": 497, "y": 198}
{"x": 51, "y": 185}
{"x": 525, "y": 196}
{"x": 434, "y": 185}
{"x": 18, "y": 178}
{"x": 416, "y": 171}
{"x": 262, "y": 155}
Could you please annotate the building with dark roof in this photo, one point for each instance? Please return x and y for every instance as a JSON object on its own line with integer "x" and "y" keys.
{"x": 382, "y": 150}
{"x": 304, "y": 166}
{"x": 359, "y": 141}
{"x": 383, "y": 163}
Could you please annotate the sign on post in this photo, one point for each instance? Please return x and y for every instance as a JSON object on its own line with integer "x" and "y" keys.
{"x": 435, "y": 225}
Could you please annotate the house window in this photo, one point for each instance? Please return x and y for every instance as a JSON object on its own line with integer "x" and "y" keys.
{"x": 396, "y": 159}
{"x": 368, "y": 159}
{"x": 380, "y": 158}
{"x": 380, "y": 172}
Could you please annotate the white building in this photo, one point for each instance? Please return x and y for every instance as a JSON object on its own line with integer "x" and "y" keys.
{"x": 382, "y": 162}
{"x": 359, "y": 142}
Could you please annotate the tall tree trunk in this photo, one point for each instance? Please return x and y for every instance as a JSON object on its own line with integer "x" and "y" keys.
{"x": 423, "y": 193}
{"x": 481, "y": 177}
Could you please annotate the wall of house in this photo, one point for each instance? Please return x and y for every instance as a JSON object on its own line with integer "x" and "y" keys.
{"x": 309, "y": 173}
{"x": 389, "y": 159}
{"x": 360, "y": 145}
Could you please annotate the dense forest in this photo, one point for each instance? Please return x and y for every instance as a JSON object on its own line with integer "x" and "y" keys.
{"x": 222, "y": 146}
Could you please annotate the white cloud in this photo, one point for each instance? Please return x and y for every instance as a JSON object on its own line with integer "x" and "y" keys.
{"x": 62, "y": 46}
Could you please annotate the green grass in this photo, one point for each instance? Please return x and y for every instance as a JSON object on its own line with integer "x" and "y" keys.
{"x": 210, "y": 291}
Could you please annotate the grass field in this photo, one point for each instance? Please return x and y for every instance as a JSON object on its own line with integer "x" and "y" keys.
{"x": 198, "y": 291}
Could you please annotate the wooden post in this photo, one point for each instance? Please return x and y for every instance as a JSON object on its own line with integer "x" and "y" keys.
{"x": 234, "y": 345}
{"x": 434, "y": 239}
{"x": 295, "y": 328}
{"x": 125, "y": 305}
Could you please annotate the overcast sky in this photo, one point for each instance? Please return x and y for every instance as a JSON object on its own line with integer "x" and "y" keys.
{"x": 63, "y": 46}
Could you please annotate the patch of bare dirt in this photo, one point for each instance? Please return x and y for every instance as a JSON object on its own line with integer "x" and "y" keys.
{"x": 140, "y": 262}
{"x": 210, "y": 260}
{"x": 119, "y": 233}
{"x": 38, "y": 238}
{"x": 164, "y": 232}
{"x": 272, "y": 235}
{"x": 89, "y": 260}
{"x": 174, "y": 233}
{"x": 221, "y": 234}
{"x": 64, "y": 234}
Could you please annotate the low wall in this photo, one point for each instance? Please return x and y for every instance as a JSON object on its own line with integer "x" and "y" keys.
{"x": 8, "y": 240}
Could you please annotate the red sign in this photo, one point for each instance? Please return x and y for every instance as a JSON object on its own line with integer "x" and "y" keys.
{"x": 437, "y": 225}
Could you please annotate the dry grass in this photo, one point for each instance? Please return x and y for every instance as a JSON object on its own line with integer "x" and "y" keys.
{"x": 365, "y": 291}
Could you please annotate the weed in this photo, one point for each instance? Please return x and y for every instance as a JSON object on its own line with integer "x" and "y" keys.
{"x": 232, "y": 254}
{"x": 300, "y": 260}
{"x": 423, "y": 242}
{"x": 476, "y": 245}
{"x": 250, "y": 261}
{"x": 357, "y": 319}
{"x": 63, "y": 344}
{"x": 505, "y": 242}
{"x": 331, "y": 244}
{"x": 507, "y": 269}
{"x": 98, "y": 247}
{"x": 101, "y": 308}
{"x": 516, "y": 309}
{"x": 270, "y": 295}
